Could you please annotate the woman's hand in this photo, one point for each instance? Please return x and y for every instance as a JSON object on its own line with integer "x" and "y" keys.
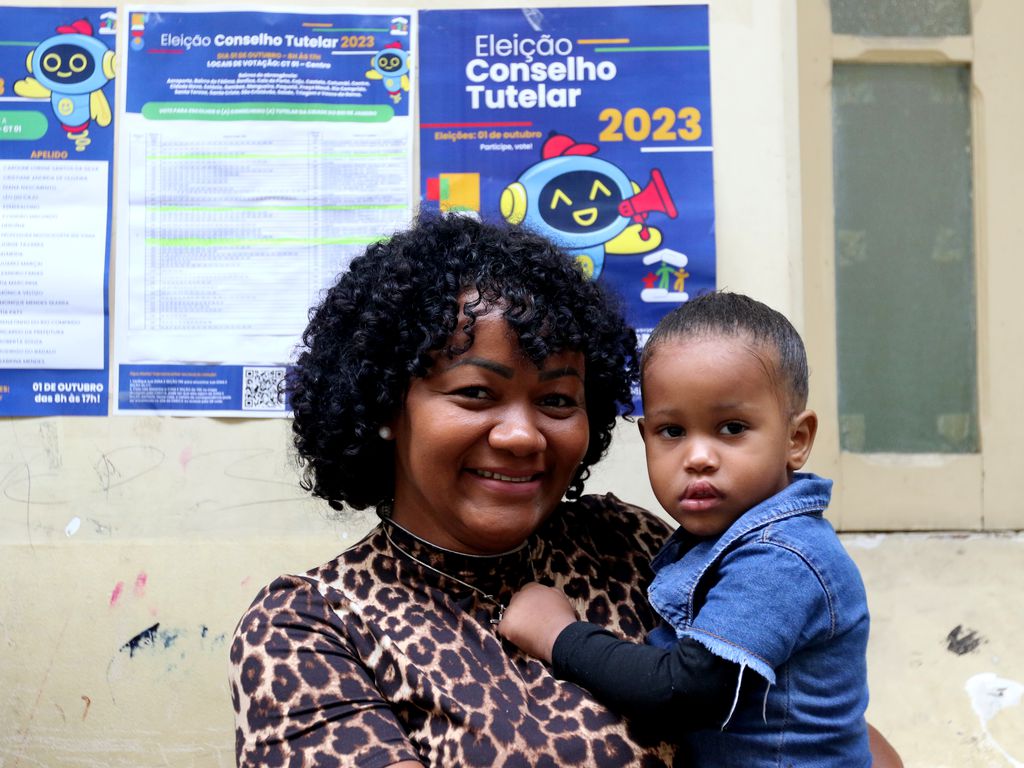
{"x": 534, "y": 618}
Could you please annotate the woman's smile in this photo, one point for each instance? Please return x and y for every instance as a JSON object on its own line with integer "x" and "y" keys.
{"x": 506, "y": 477}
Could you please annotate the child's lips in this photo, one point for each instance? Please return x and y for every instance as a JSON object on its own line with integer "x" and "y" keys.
{"x": 700, "y": 490}
{"x": 700, "y": 496}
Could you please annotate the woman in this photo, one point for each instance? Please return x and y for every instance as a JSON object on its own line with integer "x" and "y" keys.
{"x": 462, "y": 378}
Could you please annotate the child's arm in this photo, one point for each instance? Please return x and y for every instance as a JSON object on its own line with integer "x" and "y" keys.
{"x": 686, "y": 684}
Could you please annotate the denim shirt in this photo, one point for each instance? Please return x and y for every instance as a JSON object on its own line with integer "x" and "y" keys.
{"x": 777, "y": 594}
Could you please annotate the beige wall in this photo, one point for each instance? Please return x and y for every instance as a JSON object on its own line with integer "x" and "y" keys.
{"x": 110, "y": 527}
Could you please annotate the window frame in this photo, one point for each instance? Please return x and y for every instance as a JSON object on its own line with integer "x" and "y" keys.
{"x": 880, "y": 491}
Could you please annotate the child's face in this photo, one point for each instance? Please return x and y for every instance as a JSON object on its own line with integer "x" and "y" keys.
{"x": 718, "y": 432}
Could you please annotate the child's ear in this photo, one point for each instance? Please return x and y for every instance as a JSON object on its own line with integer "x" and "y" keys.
{"x": 640, "y": 426}
{"x": 802, "y": 429}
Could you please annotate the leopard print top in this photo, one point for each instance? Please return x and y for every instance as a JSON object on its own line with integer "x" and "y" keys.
{"x": 372, "y": 659}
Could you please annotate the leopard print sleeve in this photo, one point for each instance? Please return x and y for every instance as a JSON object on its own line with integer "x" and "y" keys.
{"x": 300, "y": 693}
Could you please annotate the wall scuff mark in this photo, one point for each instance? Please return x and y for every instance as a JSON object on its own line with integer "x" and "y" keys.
{"x": 963, "y": 643}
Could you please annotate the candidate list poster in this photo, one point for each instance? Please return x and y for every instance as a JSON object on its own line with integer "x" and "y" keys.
{"x": 56, "y": 149}
{"x": 589, "y": 125}
{"x": 260, "y": 152}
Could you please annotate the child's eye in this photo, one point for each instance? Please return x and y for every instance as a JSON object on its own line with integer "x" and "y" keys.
{"x": 672, "y": 431}
{"x": 733, "y": 428}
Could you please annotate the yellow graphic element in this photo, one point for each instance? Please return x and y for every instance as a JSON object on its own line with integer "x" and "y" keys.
{"x": 99, "y": 108}
{"x": 560, "y": 195}
{"x": 628, "y": 241}
{"x": 110, "y": 64}
{"x": 586, "y": 264}
{"x": 31, "y": 88}
{"x": 599, "y": 187}
{"x": 680, "y": 284}
{"x": 585, "y": 216}
{"x": 81, "y": 140}
{"x": 460, "y": 192}
{"x": 65, "y": 106}
{"x": 514, "y": 203}
{"x": 661, "y": 124}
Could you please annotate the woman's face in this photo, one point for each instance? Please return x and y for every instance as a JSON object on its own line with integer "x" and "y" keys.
{"x": 487, "y": 443}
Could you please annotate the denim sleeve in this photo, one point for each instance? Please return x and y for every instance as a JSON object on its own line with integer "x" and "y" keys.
{"x": 766, "y": 602}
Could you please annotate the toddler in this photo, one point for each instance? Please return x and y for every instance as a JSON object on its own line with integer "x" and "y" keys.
{"x": 760, "y": 658}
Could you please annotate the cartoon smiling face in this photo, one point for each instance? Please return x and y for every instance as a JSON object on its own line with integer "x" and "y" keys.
{"x": 573, "y": 199}
{"x": 579, "y": 200}
{"x": 391, "y": 62}
{"x": 72, "y": 63}
{"x": 67, "y": 64}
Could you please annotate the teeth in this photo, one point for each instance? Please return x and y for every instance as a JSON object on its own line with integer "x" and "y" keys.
{"x": 506, "y": 478}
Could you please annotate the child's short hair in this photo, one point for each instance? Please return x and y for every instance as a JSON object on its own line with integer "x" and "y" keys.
{"x": 721, "y": 313}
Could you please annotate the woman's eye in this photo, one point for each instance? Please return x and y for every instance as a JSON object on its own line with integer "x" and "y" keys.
{"x": 472, "y": 393}
{"x": 733, "y": 428}
{"x": 672, "y": 431}
{"x": 558, "y": 401}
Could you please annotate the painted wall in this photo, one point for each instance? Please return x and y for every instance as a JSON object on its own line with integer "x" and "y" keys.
{"x": 129, "y": 546}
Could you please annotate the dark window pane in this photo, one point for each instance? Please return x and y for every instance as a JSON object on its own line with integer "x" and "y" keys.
{"x": 901, "y": 18}
{"x": 905, "y": 295}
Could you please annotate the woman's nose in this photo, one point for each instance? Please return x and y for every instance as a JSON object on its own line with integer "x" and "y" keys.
{"x": 517, "y": 432}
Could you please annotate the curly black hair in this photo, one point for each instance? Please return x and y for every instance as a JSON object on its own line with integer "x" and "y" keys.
{"x": 396, "y": 309}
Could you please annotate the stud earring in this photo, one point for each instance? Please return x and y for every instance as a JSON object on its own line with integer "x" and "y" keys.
{"x": 385, "y": 432}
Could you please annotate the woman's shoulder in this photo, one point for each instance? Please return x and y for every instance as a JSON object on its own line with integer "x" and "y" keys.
{"x": 286, "y": 596}
{"x": 618, "y": 517}
{"x": 609, "y": 526}
{"x": 309, "y": 594}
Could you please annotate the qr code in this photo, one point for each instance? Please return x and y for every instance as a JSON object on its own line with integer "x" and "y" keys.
{"x": 262, "y": 389}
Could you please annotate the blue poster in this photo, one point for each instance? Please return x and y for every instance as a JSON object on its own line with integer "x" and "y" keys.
{"x": 259, "y": 153}
{"x": 182, "y": 60}
{"x": 57, "y": 67}
{"x": 589, "y": 125}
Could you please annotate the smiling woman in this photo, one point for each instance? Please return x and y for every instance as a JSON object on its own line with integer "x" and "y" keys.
{"x": 462, "y": 378}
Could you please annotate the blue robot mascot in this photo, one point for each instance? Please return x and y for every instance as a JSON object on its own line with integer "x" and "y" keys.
{"x": 71, "y": 68}
{"x": 585, "y": 204}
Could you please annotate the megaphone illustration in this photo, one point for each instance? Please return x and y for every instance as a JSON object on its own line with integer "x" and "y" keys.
{"x": 654, "y": 197}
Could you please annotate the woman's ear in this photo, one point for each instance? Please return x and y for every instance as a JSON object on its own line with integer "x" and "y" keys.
{"x": 802, "y": 429}
{"x": 640, "y": 426}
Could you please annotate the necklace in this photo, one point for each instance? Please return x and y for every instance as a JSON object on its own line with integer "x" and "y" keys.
{"x": 387, "y": 523}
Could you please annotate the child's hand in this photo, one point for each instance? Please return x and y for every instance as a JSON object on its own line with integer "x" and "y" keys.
{"x": 534, "y": 617}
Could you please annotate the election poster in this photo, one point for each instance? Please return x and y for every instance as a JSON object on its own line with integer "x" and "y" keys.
{"x": 259, "y": 153}
{"x": 591, "y": 126}
{"x": 57, "y": 72}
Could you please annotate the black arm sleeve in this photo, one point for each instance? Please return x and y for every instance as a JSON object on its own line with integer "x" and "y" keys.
{"x": 687, "y": 685}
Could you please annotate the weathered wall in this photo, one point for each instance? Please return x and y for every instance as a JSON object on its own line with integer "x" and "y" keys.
{"x": 129, "y": 546}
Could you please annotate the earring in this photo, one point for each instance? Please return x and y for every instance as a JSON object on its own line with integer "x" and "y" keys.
{"x": 385, "y": 432}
